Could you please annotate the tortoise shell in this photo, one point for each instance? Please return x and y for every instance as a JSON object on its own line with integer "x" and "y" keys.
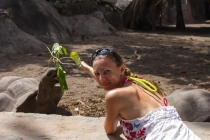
{"x": 192, "y": 104}
{"x": 15, "y": 90}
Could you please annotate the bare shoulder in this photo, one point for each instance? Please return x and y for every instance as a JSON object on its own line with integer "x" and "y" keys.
{"x": 120, "y": 93}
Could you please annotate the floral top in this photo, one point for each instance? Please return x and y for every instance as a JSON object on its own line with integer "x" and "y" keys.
{"x": 162, "y": 123}
{"x": 134, "y": 129}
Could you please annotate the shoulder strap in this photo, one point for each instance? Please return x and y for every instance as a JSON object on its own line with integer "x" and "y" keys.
{"x": 144, "y": 83}
{"x": 148, "y": 87}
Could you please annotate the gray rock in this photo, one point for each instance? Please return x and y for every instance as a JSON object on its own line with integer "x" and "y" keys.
{"x": 77, "y": 7}
{"x": 41, "y": 20}
{"x": 93, "y": 24}
{"x": 53, "y": 127}
{"x": 13, "y": 40}
{"x": 35, "y": 23}
{"x": 123, "y": 3}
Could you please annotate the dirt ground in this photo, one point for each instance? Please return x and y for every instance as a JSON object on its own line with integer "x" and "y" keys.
{"x": 173, "y": 59}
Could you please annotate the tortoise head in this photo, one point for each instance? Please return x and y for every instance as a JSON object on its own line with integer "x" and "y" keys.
{"x": 46, "y": 85}
{"x": 51, "y": 76}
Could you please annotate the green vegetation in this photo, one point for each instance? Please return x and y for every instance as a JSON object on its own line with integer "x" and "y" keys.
{"x": 60, "y": 8}
{"x": 10, "y": 12}
{"x": 56, "y": 56}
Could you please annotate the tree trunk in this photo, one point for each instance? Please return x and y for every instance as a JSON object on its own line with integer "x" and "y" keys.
{"x": 179, "y": 17}
{"x": 199, "y": 8}
{"x": 137, "y": 14}
{"x": 207, "y": 10}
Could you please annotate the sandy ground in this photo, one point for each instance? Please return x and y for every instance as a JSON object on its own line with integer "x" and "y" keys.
{"x": 173, "y": 59}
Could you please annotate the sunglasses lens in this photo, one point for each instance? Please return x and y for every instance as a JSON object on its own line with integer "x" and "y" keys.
{"x": 105, "y": 52}
{"x": 100, "y": 52}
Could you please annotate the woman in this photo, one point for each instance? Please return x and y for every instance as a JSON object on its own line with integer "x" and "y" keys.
{"x": 138, "y": 105}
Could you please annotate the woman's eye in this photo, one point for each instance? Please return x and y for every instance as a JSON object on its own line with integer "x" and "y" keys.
{"x": 96, "y": 74}
{"x": 107, "y": 71}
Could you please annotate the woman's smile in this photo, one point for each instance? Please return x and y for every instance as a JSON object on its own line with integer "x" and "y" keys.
{"x": 105, "y": 85}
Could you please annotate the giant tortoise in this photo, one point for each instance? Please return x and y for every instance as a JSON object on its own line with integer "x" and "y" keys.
{"x": 28, "y": 95}
{"x": 192, "y": 104}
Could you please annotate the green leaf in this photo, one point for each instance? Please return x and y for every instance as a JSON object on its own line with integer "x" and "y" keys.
{"x": 62, "y": 50}
{"x": 61, "y": 74}
{"x": 75, "y": 57}
{"x": 56, "y": 47}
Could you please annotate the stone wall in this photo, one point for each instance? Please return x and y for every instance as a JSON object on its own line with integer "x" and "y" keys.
{"x": 56, "y": 127}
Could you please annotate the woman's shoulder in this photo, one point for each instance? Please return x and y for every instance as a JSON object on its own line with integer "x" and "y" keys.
{"x": 120, "y": 92}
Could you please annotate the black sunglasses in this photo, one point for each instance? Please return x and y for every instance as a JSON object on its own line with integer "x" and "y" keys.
{"x": 106, "y": 52}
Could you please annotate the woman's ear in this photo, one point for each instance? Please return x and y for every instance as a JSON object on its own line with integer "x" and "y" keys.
{"x": 122, "y": 69}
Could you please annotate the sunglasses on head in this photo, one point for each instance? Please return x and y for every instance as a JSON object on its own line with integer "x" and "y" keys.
{"x": 106, "y": 52}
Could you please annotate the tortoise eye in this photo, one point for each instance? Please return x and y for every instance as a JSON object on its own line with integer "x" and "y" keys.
{"x": 49, "y": 74}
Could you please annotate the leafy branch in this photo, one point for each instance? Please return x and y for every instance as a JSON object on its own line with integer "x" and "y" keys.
{"x": 56, "y": 53}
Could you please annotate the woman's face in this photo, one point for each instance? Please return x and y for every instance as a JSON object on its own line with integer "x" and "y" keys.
{"x": 107, "y": 74}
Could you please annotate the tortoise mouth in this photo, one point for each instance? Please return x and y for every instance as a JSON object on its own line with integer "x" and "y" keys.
{"x": 55, "y": 79}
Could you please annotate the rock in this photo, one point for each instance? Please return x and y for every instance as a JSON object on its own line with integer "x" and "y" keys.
{"x": 77, "y": 7}
{"x": 39, "y": 19}
{"x": 93, "y": 24}
{"x": 38, "y": 126}
{"x": 123, "y": 3}
{"x": 41, "y": 126}
{"x": 13, "y": 40}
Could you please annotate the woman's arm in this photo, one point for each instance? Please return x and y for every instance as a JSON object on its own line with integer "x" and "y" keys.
{"x": 112, "y": 112}
{"x": 86, "y": 68}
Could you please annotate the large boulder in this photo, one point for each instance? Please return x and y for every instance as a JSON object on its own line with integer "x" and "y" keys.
{"x": 13, "y": 40}
{"x": 42, "y": 126}
{"x": 38, "y": 18}
{"x": 76, "y": 7}
{"x": 123, "y": 3}
{"x": 92, "y": 24}
{"x": 43, "y": 21}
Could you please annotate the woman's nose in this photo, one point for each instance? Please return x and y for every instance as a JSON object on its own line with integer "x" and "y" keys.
{"x": 101, "y": 77}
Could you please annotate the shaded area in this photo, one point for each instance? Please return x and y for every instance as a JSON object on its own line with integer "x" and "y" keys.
{"x": 173, "y": 59}
{"x": 13, "y": 40}
{"x": 37, "y": 126}
{"x": 22, "y": 128}
{"x": 180, "y": 57}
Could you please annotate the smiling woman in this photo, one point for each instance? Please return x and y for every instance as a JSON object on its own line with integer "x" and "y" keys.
{"x": 138, "y": 104}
